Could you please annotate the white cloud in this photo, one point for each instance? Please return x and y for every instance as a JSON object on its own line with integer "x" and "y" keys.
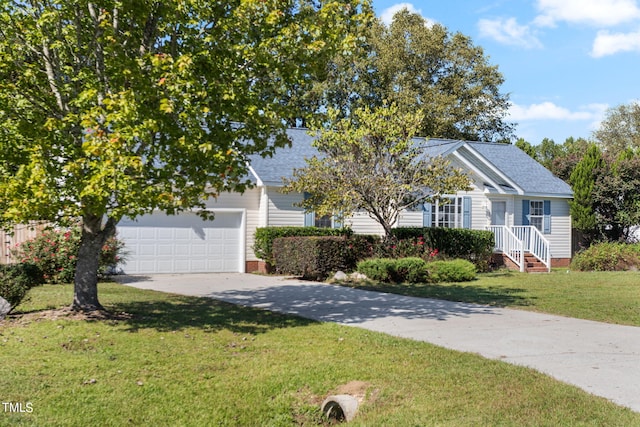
{"x": 602, "y": 13}
{"x": 607, "y": 43}
{"x": 509, "y": 32}
{"x": 387, "y": 15}
{"x": 550, "y": 111}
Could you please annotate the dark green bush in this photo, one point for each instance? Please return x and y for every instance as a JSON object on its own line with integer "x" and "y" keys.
{"x": 412, "y": 270}
{"x": 265, "y": 236}
{"x": 312, "y": 257}
{"x": 55, "y": 252}
{"x": 16, "y": 280}
{"x": 608, "y": 257}
{"x": 475, "y": 246}
{"x": 457, "y": 270}
{"x": 363, "y": 245}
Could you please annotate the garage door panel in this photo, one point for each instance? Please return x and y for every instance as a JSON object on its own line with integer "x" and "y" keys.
{"x": 182, "y": 243}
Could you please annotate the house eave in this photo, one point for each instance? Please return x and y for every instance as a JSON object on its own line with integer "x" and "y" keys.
{"x": 549, "y": 195}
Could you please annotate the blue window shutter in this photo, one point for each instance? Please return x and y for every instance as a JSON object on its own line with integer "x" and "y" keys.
{"x": 337, "y": 222}
{"x": 525, "y": 212}
{"x": 466, "y": 212}
{"x": 546, "y": 222}
{"x": 309, "y": 217}
{"x": 426, "y": 215}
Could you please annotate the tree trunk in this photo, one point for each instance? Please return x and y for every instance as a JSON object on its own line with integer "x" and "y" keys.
{"x": 85, "y": 292}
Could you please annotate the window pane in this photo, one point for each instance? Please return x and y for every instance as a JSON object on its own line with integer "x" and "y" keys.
{"x": 537, "y": 222}
{"x": 323, "y": 221}
{"x": 537, "y": 208}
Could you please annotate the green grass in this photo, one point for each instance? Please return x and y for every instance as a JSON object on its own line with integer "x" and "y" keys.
{"x": 183, "y": 361}
{"x": 612, "y": 297}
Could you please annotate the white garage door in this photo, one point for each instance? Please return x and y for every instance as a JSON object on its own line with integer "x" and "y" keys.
{"x": 184, "y": 243}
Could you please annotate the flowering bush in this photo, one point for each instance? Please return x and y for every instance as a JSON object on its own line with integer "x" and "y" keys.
{"x": 55, "y": 253}
{"x": 407, "y": 248}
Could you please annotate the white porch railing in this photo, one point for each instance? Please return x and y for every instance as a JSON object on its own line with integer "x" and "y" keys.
{"x": 509, "y": 244}
{"x": 515, "y": 241}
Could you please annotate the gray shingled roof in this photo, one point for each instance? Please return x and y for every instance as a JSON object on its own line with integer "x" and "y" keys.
{"x": 519, "y": 167}
{"x": 271, "y": 170}
{"x": 527, "y": 174}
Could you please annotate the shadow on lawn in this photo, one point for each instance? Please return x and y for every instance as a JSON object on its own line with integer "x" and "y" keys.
{"x": 205, "y": 313}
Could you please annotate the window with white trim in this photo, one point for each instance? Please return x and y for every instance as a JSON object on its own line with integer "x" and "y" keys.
{"x": 536, "y": 213}
{"x": 447, "y": 213}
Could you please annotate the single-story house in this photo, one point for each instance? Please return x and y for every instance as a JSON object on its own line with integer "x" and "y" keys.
{"x": 513, "y": 195}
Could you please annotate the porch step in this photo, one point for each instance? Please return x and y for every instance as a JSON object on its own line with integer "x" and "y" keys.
{"x": 533, "y": 264}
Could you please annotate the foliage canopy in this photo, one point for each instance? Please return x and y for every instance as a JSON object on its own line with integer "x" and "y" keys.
{"x": 417, "y": 65}
{"x": 117, "y": 108}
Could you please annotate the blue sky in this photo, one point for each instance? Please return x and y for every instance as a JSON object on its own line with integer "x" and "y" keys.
{"x": 564, "y": 61}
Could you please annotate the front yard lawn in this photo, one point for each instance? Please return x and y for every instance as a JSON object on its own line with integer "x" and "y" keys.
{"x": 176, "y": 360}
{"x": 612, "y": 297}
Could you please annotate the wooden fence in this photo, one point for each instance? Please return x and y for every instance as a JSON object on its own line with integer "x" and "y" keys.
{"x": 20, "y": 233}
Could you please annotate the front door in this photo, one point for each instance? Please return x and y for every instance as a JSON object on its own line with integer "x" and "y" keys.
{"x": 498, "y": 213}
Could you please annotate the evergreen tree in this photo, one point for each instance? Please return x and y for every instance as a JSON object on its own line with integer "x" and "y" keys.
{"x": 582, "y": 181}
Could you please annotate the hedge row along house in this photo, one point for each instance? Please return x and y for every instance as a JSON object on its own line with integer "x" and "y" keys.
{"x": 512, "y": 195}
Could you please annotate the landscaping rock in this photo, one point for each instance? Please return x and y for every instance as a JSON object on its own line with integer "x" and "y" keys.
{"x": 5, "y": 308}
{"x": 340, "y": 407}
{"x": 340, "y": 275}
{"x": 357, "y": 276}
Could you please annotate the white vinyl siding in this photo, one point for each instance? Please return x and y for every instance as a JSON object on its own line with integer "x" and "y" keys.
{"x": 410, "y": 218}
{"x": 282, "y": 212}
{"x": 560, "y": 237}
{"x": 361, "y": 223}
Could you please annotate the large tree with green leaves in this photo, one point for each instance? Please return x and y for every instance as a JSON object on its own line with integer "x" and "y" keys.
{"x": 371, "y": 162}
{"x": 118, "y": 108}
{"x": 418, "y": 65}
{"x": 616, "y": 196}
{"x": 620, "y": 129}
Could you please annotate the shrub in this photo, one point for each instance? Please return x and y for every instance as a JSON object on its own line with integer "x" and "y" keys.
{"x": 312, "y": 257}
{"x": 55, "y": 252}
{"x": 363, "y": 245}
{"x": 413, "y": 270}
{"x": 457, "y": 270}
{"x": 608, "y": 257}
{"x": 265, "y": 236}
{"x": 413, "y": 247}
{"x": 475, "y": 246}
{"x": 378, "y": 269}
{"x": 16, "y": 280}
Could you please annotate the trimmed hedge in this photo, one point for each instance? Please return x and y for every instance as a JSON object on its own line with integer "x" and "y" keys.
{"x": 312, "y": 257}
{"x": 16, "y": 280}
{"x": 265, "y": 236}
{"x": 608, "y": 257}
{"x": 457, "y": 270}
{"x": 475, "y": 246}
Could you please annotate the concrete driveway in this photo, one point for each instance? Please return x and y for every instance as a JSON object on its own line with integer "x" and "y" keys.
{"x": 600, "y": 358}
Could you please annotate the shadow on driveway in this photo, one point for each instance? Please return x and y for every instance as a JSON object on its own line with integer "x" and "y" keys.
{"x": 345, "y": 305}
